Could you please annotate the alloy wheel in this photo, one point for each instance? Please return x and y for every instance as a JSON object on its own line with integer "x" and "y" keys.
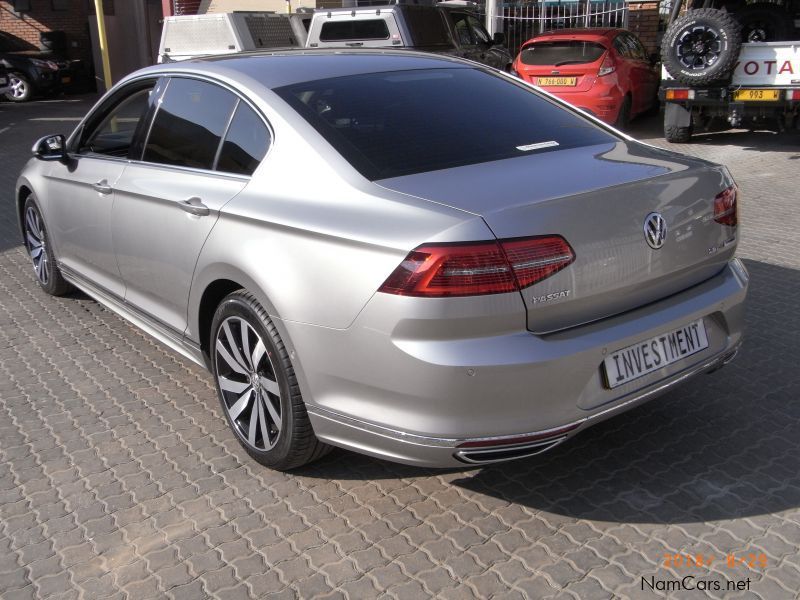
{"x": 19, "y": 87}
{"x": 699, "y": 47}
{"x": 247, "y": 379}
{"x": 37, "y": 247}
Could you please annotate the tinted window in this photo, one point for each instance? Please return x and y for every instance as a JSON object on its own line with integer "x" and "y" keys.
{"x": 402, "y": 122}
{"x": 245, "y": 144}
{"x": 427, "y": 26}
{"x": 622, "y": 47}
{"x": 561, "y": 53}
{"x": 114, "y": 134}
{"x": 463, "y": 31}
{"x": 478, "y": 31}
{"x": 189, "y": 124}
{"x": 368, "y": 29}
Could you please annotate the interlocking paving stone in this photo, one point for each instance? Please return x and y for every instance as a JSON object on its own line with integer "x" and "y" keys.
{"x": 120, "y": 479}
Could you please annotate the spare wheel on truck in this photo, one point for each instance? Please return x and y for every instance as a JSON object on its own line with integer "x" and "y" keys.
{"x": 701, "y": 47}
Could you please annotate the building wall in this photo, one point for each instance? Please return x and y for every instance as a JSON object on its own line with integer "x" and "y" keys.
{"x": 643, "y": 20}
{"x": 27, "y": 26}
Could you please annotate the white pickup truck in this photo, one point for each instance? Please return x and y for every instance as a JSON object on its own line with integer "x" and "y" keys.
{"x": 715, "y": 66}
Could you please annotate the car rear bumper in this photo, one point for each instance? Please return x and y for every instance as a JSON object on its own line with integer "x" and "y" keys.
{"x": 454, "y": 393}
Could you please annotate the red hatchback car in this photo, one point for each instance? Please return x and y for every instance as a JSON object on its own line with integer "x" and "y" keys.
{"x": 606, "y": 72}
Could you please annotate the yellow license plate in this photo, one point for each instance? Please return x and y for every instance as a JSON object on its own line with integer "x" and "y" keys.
{"x": 66, "y": 79}
{"x": 556, "y": 81}
{"x": 757, "y": 95}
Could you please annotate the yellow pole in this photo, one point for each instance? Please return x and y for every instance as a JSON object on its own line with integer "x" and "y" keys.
{"x": 101, "y": 38}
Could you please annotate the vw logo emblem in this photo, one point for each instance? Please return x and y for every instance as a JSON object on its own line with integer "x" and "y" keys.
{"x": 655, "y": 230}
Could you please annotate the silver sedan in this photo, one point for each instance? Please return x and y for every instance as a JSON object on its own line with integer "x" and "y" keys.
{"x": 410, "y": 256}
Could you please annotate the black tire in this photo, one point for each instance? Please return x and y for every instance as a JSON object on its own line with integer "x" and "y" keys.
{"x": 763, "y": 22}
{"x": 702, "y": 46}
{"x": 37, "y": 242}
{"x": 270, "y": 421}
{"x": 624, "y": 115}
{"x": 21, "y": 88}
{"x": 677, "y": 134}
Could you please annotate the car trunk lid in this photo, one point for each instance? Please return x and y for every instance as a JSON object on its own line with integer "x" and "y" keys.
{"x": 598, "y": 198}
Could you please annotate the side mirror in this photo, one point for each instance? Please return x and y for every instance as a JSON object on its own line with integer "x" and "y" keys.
{"x": 499, "y": 38}
{"x": 50, "y": 147}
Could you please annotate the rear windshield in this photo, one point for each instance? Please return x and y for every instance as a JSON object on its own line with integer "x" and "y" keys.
{"x": 368, "y": 29}
{"x": 403, "y": 122}
{"x": 561, "y": 53}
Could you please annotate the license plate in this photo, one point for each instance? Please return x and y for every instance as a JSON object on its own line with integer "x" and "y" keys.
{"x": 757, "y": 95}
{"x": 656, "y": 353}
{"x": 66, "y": 79}
{"x": 3, "y": 81}
{"x": 556, "y": 81}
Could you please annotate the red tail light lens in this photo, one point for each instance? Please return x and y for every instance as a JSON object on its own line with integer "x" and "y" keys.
{"x": 725, "y": 207}
{"x": 443, "y": 270}
{"x": 608, "y": 66}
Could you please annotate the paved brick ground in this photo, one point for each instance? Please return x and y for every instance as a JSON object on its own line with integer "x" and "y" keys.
{"x": 120, "y": 479}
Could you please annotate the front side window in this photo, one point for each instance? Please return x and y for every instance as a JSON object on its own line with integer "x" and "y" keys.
{"x": 114, "y": 135}
{"x": 189, "y": 124}
{"x": 463, "y": 31}
{"x": 403, "y": 122}
{"x": 478, "y": 31}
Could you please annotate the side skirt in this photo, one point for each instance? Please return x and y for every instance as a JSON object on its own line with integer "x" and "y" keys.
{"x": 164, "y": 334}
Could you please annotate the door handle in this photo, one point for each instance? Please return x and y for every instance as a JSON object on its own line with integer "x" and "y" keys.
{"x": 194, "y": 206}
{"x": 102, "y": 187}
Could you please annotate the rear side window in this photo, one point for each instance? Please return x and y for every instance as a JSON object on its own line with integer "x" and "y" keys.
{"x": 569, "y": 52}
{"x": 404, "y": 122}
{"x": 367, "y": 29}
{"x": 189, "y": 124}
{"x": 246, "y": 142}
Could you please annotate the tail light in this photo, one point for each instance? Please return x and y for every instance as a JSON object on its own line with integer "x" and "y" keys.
{"x": 725, "y": 207}
{"x": 479, "y": 268}
{"x": 608, "y": 66}
{"x": 679, "y": 94}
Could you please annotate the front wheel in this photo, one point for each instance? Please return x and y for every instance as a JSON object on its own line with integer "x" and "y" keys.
{"x": 38, "y": 245}
{"x": 21, "y": 88}
{"x": 257, "y": 387}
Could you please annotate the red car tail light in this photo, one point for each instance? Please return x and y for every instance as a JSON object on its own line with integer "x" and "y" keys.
{"x": 608, "y": 66}
{"x": 725, "y": 207}
{"x": 478, "y": 268}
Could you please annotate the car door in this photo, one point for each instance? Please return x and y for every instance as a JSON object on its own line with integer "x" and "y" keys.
{"x": 80, "y": 190}
{"x": 168, "y": 202}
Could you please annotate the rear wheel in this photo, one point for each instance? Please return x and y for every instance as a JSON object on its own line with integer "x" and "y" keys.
{"x": 48, "y": 275}
{"x": 677, "y": 132}
{"x": 624, "y": 115}
{"x": 702, "y": 46}
{"x": 257, "y": 387}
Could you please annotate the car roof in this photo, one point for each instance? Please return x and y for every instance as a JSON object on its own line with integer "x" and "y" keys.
{"x": 286, "y": 67}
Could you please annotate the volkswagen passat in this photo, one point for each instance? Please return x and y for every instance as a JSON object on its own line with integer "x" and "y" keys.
{"x": 410, "y": 256}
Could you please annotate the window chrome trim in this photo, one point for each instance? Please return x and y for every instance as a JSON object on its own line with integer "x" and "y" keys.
{"x": 173, "y": 74}
{"x": 224, "y": 135}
